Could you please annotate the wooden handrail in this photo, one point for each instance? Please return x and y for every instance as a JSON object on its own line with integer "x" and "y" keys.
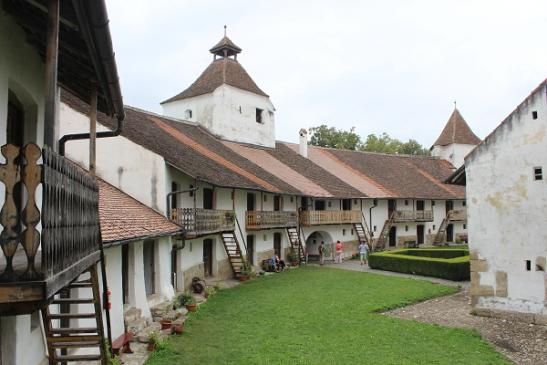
{"x": 270, "y": 219}
{"x": 413, "y": 215}
{"x": 319, "y": 217}
{"x": 201, "y": 221}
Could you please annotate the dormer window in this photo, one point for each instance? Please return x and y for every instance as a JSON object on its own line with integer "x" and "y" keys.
{"x": 188, "y": 114}
{"x": 259, "y": 115}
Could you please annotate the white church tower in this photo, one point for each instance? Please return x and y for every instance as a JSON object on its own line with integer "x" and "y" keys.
{"x": 456, "y": 140}
{"x": 226, "y": 101}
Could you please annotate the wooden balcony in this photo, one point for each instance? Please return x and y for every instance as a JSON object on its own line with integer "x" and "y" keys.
{"x": 255, "y": 220}
{"x": 36, "y": 265}
{"x": 320, "y": 217}
{"x": 198, "y": 222}
{"x": 413, "y": 216}
{"x": 457, "y": 215}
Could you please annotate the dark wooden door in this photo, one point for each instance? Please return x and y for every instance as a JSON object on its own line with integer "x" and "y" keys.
{"x": 449, "y": 206}
{"x": 450, "y": 233}
{"x": 277, "y": 244}
{"x": 208, "y": 257}
{"x": 420, "y": 234}
{"x": 277, "y": 203}
{"x": 346, "y": 204}
{"x": 420, "y": 205}
{"x": 251, "y": 249}
{"x": 304, "y": 202}
{"x": 320, "y": 205}
{"x": 208, "y": 198}
{"x": 391, "y": 206}
{"x": 393, "y": 237}
{"x": 251, "y": 201}
{"x": 125, "y": 273}
{"x": 149, "y": 267}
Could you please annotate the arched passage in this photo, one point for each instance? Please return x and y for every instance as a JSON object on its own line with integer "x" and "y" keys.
{"x": 313, "y": 241}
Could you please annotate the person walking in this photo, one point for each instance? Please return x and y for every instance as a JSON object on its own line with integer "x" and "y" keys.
{"x": 321, "y": 249}
{"x": 339, "y": 250}
{"x": 363, "y": 253}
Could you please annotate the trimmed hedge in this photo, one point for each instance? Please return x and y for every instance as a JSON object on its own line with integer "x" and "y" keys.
{"x": 414, "y": 262}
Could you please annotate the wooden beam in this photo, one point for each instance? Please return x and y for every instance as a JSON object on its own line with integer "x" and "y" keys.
{"x": 52, "y": 56}
{"x": 93, "y": 128}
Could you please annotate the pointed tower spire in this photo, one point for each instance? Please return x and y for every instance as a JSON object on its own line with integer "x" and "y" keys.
{"x": 225, "y": 48}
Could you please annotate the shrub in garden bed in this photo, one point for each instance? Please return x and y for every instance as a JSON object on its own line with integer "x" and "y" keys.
{"x": 445, "y": 264}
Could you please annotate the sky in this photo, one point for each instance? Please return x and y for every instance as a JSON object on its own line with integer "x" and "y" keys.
{"x": 393, "y": 66}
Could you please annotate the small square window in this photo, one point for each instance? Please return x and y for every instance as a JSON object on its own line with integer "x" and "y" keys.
{"x": 406, "y": 202}
{"x": 464, "y": 226}
{"x": 538, "y": 173}
{"x": 464, "y": 203}
{"x": 528, "y": 265}
{"x": 534, "y": 115}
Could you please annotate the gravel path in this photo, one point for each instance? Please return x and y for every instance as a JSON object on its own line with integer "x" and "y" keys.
{"x": 521, "y": 342}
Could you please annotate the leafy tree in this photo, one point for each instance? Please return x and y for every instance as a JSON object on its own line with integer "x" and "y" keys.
{"x": 323, "y": 136}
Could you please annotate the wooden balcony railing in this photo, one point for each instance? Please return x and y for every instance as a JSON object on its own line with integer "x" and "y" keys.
{"x": 319, "y": 217}
{"x": 199, "y": 222}
{"x": 272, "y": 219}
{"x": 457, "y": 215}
{"x": 413, "y": 216}
{"x": 34, "y": 266}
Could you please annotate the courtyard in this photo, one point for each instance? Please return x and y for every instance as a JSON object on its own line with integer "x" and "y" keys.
{"x": 322, "y": 316}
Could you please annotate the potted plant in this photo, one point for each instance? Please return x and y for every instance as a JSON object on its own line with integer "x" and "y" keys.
{"x": 178, "y": 326}
{"x": 209, "y": 290}
{"x": 187, "y": 299}
{"x": 245, "y": 273}
{"x": 293, "y": 257}
{"x": 165, "y": 321}
{"x": 153, "y": 341}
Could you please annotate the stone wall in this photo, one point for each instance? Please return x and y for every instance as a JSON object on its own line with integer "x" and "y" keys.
{"x": 264, "y": 255}
{"x": 196, "y": 270}
{"x": 224, "y": 270}
{"x": 402, "y": 239}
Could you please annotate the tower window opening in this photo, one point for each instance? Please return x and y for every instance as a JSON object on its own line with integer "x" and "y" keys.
{"x": 259, "y": 115}
{"x": 188, "y": 114}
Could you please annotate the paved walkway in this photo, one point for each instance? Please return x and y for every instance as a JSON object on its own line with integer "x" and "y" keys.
{"x": 354, "y": 265}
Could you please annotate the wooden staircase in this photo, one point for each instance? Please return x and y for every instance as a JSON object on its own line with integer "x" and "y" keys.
{"x": 63, "y": 338}
{"x": 362, "y": 234}
{"x": 235, "y": 256}
{"x": 384, "y": 234}
{"x": 296, "y": 243}
{"x": 441, "y": 233}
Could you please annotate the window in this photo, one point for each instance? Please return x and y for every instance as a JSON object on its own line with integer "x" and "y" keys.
{"x": 352, "y": 231}
{"x": 433, "y": 203}
{"x": 343, "y": 232}
{"x": 346, "y": 204}
{"x": 174, "y": 187}
{"x": 464, "y": 226}
{"x": 534, "y": 115}
{"x": 464, "y": 203}
{"x": 239, "y": 109}
{"x": 355, "y": 201}
{"x": 188, "y": 114}
{"x": 528, "y": 265}
{"x": 330, "y": 204}
{"x": 406, "y": 228}
{"x": 191, "y": 192}
{"x": 406, "y": 202}
{"x": 538, "y": 173}
{"x": 292, "y": 199}
{"x": 259, "y": 115}
{"x": 265, "y": 198}
{"x": 434, "y": 227}
{"x": 374, "y": 228}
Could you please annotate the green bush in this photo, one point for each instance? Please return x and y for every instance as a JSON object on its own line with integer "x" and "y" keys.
{"x": 412, "y": 262}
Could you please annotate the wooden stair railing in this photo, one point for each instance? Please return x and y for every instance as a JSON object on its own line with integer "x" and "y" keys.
{"x": 233, "y": 250}
{"x": 441, "y": 233}
{"x": 363, "y": 232}
{"x": 384, "y": 234}
{"x": 62, "y": 339}
{"x": 296, "y": 243}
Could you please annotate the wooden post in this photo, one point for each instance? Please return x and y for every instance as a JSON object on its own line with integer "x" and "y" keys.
{"x": 52, "y": 55}
{"x": 93, "y": 128}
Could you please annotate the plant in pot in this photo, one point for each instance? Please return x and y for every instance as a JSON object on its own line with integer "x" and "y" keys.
{"x": 209, "y": 291}
{"x": 293, "y": 257}
{"x": 246, "y": 272}
{"x": 178, "y": 326}
{"x": 165, "y": 321}
{"x": 187, "y": 299}
{"x": 154, "y": 341}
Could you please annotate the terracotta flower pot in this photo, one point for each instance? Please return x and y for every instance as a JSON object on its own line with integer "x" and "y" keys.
{"x": 243, "y": 277}
{"x": 178, "y": 328}
{"x": 165, "y": 324}
{"x": 192, "y": 307}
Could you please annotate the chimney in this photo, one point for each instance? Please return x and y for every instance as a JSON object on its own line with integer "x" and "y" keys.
{"x": 304, "y": 142}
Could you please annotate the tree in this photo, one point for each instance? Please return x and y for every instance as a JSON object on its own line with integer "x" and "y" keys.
{"x": 323, "y": 136}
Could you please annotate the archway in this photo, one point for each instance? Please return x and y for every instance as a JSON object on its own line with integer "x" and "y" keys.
{"x": 312, "y": 245}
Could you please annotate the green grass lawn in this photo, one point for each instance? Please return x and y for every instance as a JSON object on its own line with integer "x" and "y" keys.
{"x": 321, "y": 316}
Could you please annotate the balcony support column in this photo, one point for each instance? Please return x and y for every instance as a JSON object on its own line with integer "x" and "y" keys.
{"x": 52, "y": 56}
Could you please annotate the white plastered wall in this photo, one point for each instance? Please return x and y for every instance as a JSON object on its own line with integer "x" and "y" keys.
{"x": 506, "y": 207}
{"x": 453, "y": 153}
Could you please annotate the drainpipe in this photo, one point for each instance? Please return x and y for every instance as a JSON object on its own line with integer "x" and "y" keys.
{"x": 374, "y": 205}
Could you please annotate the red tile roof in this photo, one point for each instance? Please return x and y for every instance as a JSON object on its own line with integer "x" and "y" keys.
{"x": 221, "y": 71}
{"x": 124, "y": 218}
{"x": 326, "y": 173}
{"x": 457, "y": 130}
